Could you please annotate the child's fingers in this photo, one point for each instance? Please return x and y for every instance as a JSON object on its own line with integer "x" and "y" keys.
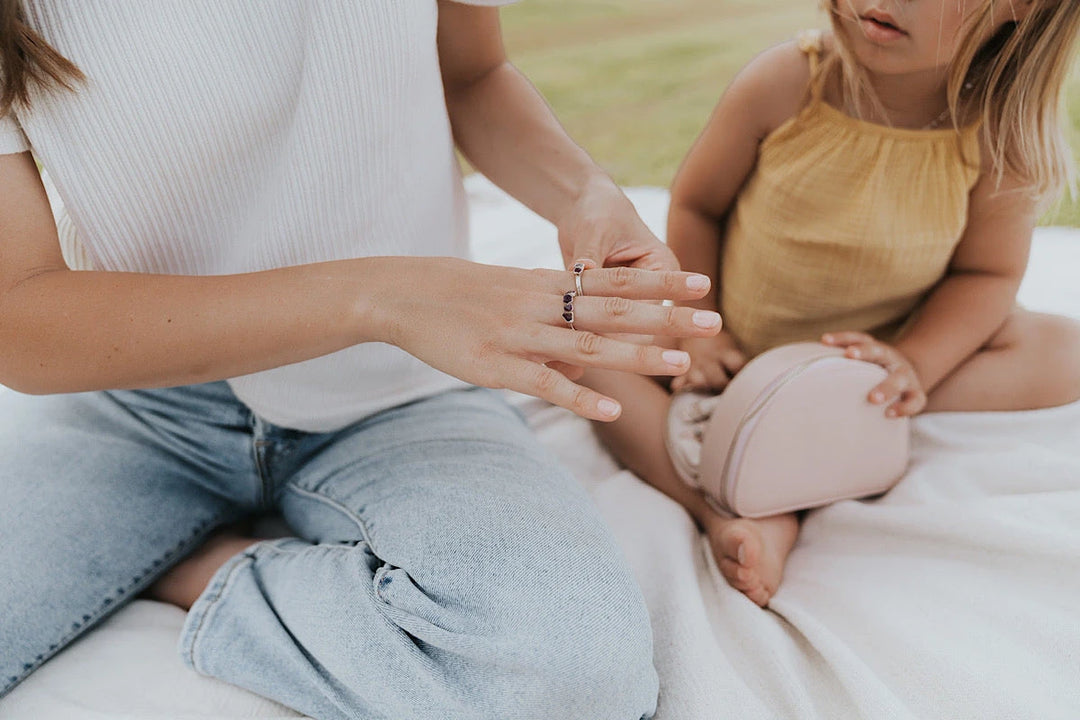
{"x": 873, "y": 352}
{"x": 891, "y": 388}
{"x": 911, "y": 403}
{"x": 716, "y": 377}
{"x": 733, "y": 360}
{"x": 844, "y": 339}
{"x": 694, "y": 379}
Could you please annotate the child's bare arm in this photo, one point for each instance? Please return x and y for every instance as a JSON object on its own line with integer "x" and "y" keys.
{"x": 979, "y": 291}
{"x": 967, "y": 308}
{"x": 768, "y": 91}
{"x": 762, "y": 96}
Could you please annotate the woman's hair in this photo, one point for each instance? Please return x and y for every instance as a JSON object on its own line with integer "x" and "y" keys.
{"x": 26, "y": 58}
{"x": 1011, "y": 83}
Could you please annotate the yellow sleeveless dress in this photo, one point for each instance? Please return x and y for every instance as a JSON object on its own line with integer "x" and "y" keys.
{"x": 843, "y": 224}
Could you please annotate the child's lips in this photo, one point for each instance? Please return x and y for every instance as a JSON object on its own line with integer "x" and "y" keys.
{"x": 880, "y": 31}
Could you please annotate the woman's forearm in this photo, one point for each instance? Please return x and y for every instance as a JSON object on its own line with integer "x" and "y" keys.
{"x": 958, "y": 318}
{"x": 67, "y": 331}
{"x": 510, "y": 134}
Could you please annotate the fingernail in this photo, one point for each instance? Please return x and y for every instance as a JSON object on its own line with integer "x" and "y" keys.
{"x": 675, "y": 357}
{"x": 742, "y": 554}
{"x": 877, "y": 397}
{"x": 827, "y": 338}
{"x": 698, "y": 282}
{"x": 890, "y": 413}
{"x": 854, "y": 352}
{"x": 706, "y": 319}
{"x": 608, "y": 408}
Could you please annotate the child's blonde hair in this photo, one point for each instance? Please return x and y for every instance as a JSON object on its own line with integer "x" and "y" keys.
{"x": 1011, "y": 83}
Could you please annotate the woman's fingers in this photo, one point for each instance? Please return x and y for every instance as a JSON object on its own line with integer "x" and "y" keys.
{"x": 587, "y": 349}
{"x": 631, "y": 283}
{"x": 620, "y": 315}
{"x": 572, "y": 372}
{"x": 549, "y": 384}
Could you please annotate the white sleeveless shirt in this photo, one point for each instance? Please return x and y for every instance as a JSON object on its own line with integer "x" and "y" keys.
{"x": 229, "y": 136}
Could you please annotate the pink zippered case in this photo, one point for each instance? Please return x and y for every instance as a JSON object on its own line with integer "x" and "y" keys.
{"x": 793, "y": 430}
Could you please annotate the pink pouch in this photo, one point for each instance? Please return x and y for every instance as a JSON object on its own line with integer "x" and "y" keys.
{"x": 793, "y": 430}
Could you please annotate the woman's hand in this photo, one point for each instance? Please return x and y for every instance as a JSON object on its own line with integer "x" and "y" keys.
{"x": 902, "y": 389}
{"x": 713, "y": 362}
{"x": 498, "y": 327}
{"x": 602, "y": 229}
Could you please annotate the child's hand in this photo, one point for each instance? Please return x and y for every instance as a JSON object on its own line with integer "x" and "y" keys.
{"x": 902, "y": 388}
{"x": 713, "y": 362}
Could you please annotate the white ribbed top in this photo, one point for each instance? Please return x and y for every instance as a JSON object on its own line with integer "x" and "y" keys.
{"x": 229, "y": 136}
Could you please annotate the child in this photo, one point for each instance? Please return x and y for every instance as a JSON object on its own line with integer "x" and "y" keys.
{"x": 876, "y": 188}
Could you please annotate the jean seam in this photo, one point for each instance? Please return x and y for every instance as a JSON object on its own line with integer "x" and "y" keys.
{"x": 336, "y": 505}
{"x": 141, "y": 581}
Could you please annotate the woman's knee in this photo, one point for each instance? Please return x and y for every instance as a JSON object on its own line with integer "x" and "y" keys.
{"x": 571, "y": 621}
{"x": 589, "y": 652}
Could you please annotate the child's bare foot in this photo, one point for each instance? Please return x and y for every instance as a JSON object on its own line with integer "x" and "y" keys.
{"x": 751, "y": 554}
{"x": 185, "y": 582}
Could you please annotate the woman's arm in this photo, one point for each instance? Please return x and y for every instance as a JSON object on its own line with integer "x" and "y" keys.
{"x": 71, "y": 331}
{"x": 65, "y": 331}
{"x": 508, "y": 132}
{"x": 979, "y": 291}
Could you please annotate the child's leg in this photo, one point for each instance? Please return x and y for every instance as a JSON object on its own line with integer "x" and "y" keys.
{"x": 1033, "y": 362}
{"x": 750, "y": 553}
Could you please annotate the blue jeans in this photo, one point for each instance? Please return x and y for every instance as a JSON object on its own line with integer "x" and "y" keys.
{"x": 444, "y": 566}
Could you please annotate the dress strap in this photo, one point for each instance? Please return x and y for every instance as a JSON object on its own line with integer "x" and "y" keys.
{"x": 811, "y": 43}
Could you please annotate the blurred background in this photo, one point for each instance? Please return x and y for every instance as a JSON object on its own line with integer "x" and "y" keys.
{"x": 635, "y": 80}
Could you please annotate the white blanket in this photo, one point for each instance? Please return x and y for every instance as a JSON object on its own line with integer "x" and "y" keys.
{"x": 957, "y": 595}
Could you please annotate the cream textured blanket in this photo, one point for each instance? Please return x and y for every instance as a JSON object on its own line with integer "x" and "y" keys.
{"x": 957, "y": 595}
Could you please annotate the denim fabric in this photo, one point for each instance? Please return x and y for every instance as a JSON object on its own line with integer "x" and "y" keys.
{"x": 444, "y": 566}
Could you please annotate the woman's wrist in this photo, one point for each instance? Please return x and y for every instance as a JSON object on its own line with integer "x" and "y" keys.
{"x": 587, "y": 187}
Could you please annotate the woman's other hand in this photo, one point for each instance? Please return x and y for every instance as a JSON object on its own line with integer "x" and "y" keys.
{"x": 902, "y": 390}
{"x": 602, "y": 229}
{"x": 713, "y": 362}
{"x": 499, "y": 327}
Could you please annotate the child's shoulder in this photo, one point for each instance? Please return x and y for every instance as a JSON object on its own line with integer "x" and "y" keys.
{"x": 776, "y": 83}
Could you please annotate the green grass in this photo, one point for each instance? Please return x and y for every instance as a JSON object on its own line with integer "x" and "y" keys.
{"x": 634, "y": 80}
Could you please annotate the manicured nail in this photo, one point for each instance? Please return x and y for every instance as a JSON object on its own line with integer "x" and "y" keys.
{"x": 698, "y": 282}
{"x": 742, "y": 554}
{"x": 675, "y": 357}
{"x": 608, "y": 408}
{"x": 706, "y": 319}
{"x": 877, "y": 397}
{"x": 854, "y": 352}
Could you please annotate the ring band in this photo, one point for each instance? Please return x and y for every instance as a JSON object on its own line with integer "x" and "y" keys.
{"x": 579, "y": 268}
{"x": 568, "y": 308}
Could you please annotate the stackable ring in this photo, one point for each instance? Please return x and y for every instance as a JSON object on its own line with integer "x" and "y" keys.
{"x": 568, "y": 308}
{"x": 579, "y": 268}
